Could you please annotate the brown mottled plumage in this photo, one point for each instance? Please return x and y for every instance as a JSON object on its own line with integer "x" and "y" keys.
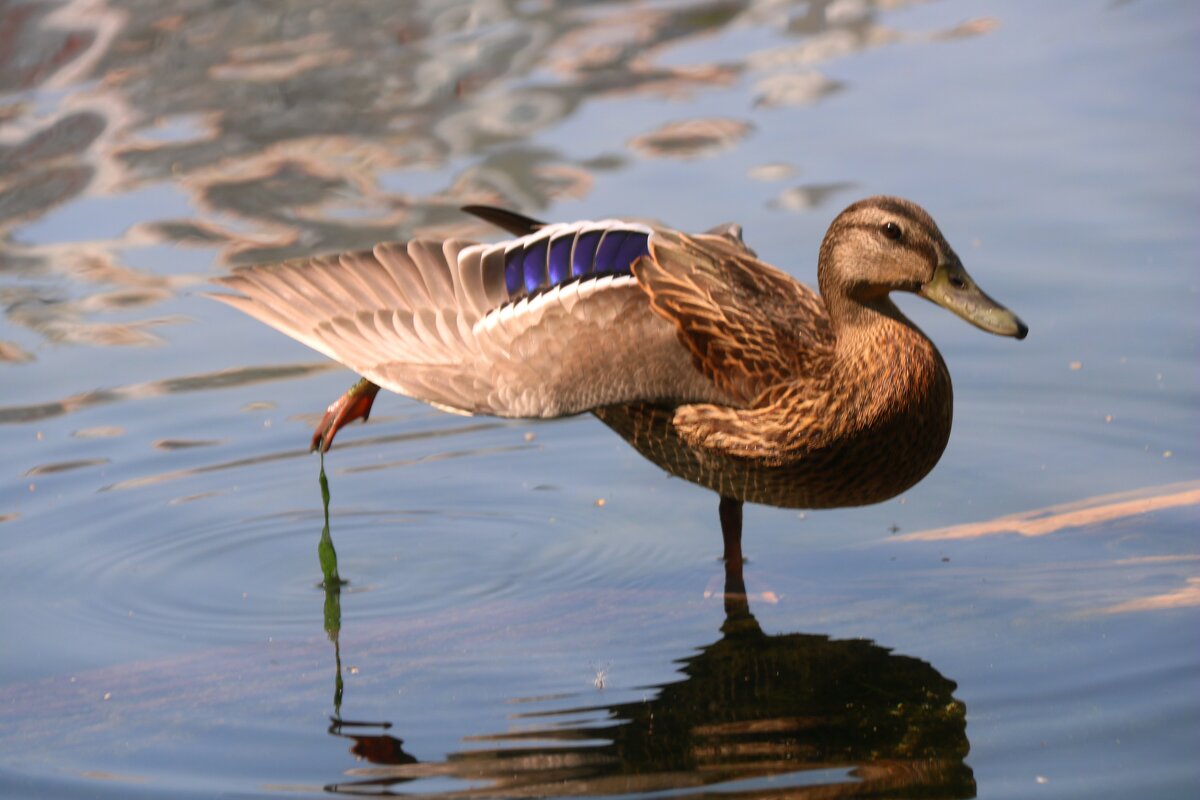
{"x": 714, "y": 365}
{"x": 826, "y": 415}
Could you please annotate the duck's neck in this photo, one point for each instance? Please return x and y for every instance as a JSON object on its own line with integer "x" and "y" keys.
{"x": 894, "y": 369}
{"x": 851, "y": 317}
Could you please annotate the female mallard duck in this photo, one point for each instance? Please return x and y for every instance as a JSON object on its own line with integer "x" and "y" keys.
{"x": 714, "y": 365}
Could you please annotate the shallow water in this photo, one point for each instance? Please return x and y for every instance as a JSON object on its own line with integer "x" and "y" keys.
{"x": 165, "y": 631}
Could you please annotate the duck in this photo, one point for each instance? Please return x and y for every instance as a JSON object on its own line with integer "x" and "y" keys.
{"x": 718, "y": 367}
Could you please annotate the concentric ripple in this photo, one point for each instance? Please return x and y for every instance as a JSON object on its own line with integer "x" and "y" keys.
{"x": 221, "y": 578}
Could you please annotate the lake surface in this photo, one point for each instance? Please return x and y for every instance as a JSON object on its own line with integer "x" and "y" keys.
{"x": 533, "y": 610}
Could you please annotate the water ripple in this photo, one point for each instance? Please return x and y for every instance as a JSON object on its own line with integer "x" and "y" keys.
{"x": 220, "y": 578}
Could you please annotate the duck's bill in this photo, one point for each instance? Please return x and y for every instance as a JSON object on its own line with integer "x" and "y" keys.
{"x": 953, "y": 289}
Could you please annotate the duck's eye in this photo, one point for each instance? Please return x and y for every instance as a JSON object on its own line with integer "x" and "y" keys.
{"x": 892, "y": 231}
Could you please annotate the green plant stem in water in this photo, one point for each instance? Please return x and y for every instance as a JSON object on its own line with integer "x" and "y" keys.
{"x": 332, "y": 584}
{"x": 325, "y": 549}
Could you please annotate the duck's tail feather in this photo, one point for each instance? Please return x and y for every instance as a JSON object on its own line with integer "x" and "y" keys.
{"x": 502, "y": 218}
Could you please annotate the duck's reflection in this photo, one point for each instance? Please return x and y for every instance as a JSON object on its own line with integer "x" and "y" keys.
{"x": 798, "y": 715}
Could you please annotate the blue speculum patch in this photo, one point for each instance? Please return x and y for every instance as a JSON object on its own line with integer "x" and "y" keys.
{"x": 514, "y": 269}
{"x": 634, "y": 248}
{"x": 546, "y": 263}
{"x": 585, "y": 252}
{"x": 618, "y": 250}
{"x": 535, "y": 266}
{"x": 560, "y": 259}
{"x": 606, "y": 253}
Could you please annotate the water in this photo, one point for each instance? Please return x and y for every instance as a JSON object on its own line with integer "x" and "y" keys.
{"x": 165, "y": 633}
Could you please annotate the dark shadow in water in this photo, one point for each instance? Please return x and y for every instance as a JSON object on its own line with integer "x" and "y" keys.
{"x": 796, "y": 715}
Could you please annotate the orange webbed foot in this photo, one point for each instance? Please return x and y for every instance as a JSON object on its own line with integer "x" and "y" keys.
{"x": 354, "y": 404}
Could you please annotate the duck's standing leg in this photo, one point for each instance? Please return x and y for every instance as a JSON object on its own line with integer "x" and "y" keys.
{"x": 730, "y": 512}
{"x": 354, "y": 404}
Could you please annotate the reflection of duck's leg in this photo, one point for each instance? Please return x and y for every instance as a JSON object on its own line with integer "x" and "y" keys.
{"x": 730, "y": 511}
{"x": 354, "y": 404}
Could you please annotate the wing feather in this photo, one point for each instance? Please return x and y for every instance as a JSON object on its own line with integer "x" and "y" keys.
{"x": 394, "y": 258}
{"x": 492, "y": 278}
{"x": 433, "y": 271}
{"x": 381, "y": 290}
{"x": 438, "y": 321}
{"x": 748, "y": 326}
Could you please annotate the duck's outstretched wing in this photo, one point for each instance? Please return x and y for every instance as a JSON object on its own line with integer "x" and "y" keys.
{"x": 748, "y": 326}
{"x": 545, "y": 325}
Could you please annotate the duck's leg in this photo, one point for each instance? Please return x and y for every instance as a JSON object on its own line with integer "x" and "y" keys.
{"x": 730, "y": 512}
{"x": 354, "y": 404}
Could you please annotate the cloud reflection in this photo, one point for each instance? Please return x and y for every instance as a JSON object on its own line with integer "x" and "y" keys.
{"x": 210, "y": 380}
{"x": 692, "y": 138}
{"x": 290, "y": 131}
{"x": 1091, "y": 511}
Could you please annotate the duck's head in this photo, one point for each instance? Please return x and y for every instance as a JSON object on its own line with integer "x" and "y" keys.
{"x": 886, "y": 244}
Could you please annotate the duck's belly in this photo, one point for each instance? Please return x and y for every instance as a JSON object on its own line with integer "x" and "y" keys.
{"x": 871, "y": 469}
